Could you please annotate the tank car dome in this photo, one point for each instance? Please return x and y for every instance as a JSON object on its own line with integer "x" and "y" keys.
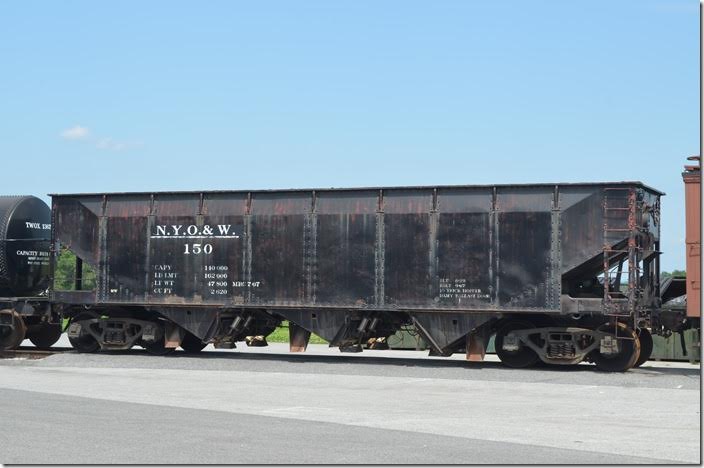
{"x": 25, "y": 233}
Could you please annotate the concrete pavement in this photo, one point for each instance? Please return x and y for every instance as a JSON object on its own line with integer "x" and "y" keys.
{"x": 257, "y": 405}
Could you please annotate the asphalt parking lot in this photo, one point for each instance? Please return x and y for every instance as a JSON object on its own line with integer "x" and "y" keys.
{"x": 263, "y": 405}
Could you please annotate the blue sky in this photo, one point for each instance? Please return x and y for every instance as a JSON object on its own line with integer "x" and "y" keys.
{"x": 169, "y": 95}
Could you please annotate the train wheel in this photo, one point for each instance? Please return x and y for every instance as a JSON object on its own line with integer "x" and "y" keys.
{"x": 521, "y": 357}
{"x": 45, "y": 335}
{"x": 646, "y": 346}
{"x": 10, "y": 338}
{"x": 192, "y": 344}
{"x": 629, "y": 351}
{"x": 84, "y": 343}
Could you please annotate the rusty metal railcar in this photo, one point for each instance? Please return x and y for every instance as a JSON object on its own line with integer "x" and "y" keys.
{"x": 681, "y": 297}
{"x": 542, "y": 266}
{"x": 692, "y": 177}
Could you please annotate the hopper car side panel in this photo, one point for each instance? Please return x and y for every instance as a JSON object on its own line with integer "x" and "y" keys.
{"x": 344, "y": 257}
{"x": 444, "y": 249}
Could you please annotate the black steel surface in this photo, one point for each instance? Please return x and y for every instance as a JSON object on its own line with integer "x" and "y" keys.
{"x": 25, "y": 232}
{"x": 460, "y": 248}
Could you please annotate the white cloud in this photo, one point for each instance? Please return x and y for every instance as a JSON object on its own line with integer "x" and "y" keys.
{"x": 112, "y": 145}
{"x": 78, "y": 132}
{"x": 75, "y": 133}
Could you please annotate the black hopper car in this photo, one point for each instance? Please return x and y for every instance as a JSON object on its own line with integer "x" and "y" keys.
{"x": 559, "y": 273}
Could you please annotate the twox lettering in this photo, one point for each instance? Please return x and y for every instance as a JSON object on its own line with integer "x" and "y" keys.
{"x": 43, "y": 226}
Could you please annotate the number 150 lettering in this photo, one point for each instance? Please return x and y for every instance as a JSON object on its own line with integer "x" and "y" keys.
{"x": 196, "y": 249}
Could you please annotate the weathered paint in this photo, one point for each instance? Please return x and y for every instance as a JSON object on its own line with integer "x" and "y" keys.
{"x": 469, "y": 249}
{"x": 693, "y": 237}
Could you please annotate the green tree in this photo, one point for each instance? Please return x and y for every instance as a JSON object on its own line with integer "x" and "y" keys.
{"x": 65, "y": 272}
{"x": 675, "y": 273}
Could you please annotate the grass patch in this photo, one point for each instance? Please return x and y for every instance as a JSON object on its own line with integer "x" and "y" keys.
{"x": 280, "y": 335}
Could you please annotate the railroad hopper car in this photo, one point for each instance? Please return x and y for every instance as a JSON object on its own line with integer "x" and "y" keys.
{"x": 25, "y": 311}
{"x": 559, "y": 273}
